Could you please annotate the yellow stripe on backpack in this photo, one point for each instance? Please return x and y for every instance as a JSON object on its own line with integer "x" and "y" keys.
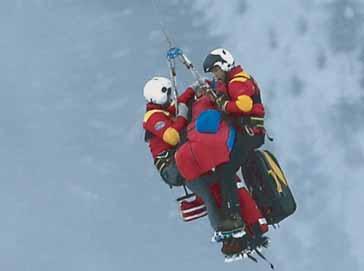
{"x": 276, "y": 172}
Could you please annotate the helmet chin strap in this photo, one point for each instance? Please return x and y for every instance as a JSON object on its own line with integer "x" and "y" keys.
{"x": 168, "y": 102}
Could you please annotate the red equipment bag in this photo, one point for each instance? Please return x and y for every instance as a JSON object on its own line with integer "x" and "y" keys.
{"x": 192, "y": 208}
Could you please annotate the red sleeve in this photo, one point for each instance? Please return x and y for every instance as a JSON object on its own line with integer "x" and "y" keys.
{"x": 186, "y": 96}
{"x": 179, "y": 123}
{"x": 172, "y": 109}
{"x": 158, "y": 123}
{"x": 236, "y": 89}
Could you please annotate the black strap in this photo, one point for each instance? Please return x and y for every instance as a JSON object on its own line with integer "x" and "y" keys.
{"x": 256, "y": 121}
{"x": 163, "y": 159}
{"x": 187, "y": 194}
{"x": 250, "y": 122}
{"x": 252, "y": 258}
{"x": 256, "y": 97}
{"x": 264, "y": 258}
{"x": 269, "y": 137}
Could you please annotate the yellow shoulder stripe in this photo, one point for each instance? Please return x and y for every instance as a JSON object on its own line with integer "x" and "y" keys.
{"x": 243, "y": 74}
{"x": 244, "y": 103}
{"x": 241, "y": 77}
{"x": 149, "y": 113}
{"x": 171, "y": 136}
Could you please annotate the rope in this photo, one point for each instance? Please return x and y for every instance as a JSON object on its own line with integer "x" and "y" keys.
{"x": 171, "y": 62}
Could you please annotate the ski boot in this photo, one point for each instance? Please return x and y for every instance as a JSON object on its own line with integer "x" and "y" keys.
{"x": 231, "y": 227}
{"x": 245, "y": 249}
{"x": 257, "y": 241}
{"x": 256, "y": 245}
{"x": 235, "y": 249}
{"x": 248, "y": 245}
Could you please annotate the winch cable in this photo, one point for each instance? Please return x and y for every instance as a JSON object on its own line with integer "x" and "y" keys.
{"x": 176, "y": 52}
{"x": 171, "y": 61}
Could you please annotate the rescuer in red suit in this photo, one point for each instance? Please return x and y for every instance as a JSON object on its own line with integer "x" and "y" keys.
{"x": 203, "y": 160}
{"x": 163, "y": 126}
{"x": 200, "y": 156}
{"x": 238, "y": 98}
{"x": 163, "y": 132}
{"x": 210, "y": 140}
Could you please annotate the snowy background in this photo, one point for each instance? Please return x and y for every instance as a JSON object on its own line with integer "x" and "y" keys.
{"x": 78, "y": 190}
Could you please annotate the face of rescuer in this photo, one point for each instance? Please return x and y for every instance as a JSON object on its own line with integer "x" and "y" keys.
{"x": 218, "y": 73}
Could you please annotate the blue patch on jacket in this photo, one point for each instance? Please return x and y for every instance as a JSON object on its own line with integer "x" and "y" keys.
{"x": 231, "y": 140}
{"x": 208, "y": 121}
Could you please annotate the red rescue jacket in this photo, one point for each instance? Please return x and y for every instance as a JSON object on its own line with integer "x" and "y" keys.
{"x": 162, "y": 126}
{"x": 244, "y": 96}
{"x": 203, "y": 152}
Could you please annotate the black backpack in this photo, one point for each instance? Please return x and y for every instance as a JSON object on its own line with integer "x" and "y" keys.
{"x": 268, "y": 185}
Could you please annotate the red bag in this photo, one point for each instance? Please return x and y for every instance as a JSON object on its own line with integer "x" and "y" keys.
{"x": 191, "y": 209}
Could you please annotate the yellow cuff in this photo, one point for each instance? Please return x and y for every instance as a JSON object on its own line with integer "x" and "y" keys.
{"x": 244, "y": 103}
{"x": 171, "y": 136}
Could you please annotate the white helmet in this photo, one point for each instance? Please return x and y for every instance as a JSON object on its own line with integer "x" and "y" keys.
{"x": 158, "y": 90}
{"x": 219, "y": 57}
